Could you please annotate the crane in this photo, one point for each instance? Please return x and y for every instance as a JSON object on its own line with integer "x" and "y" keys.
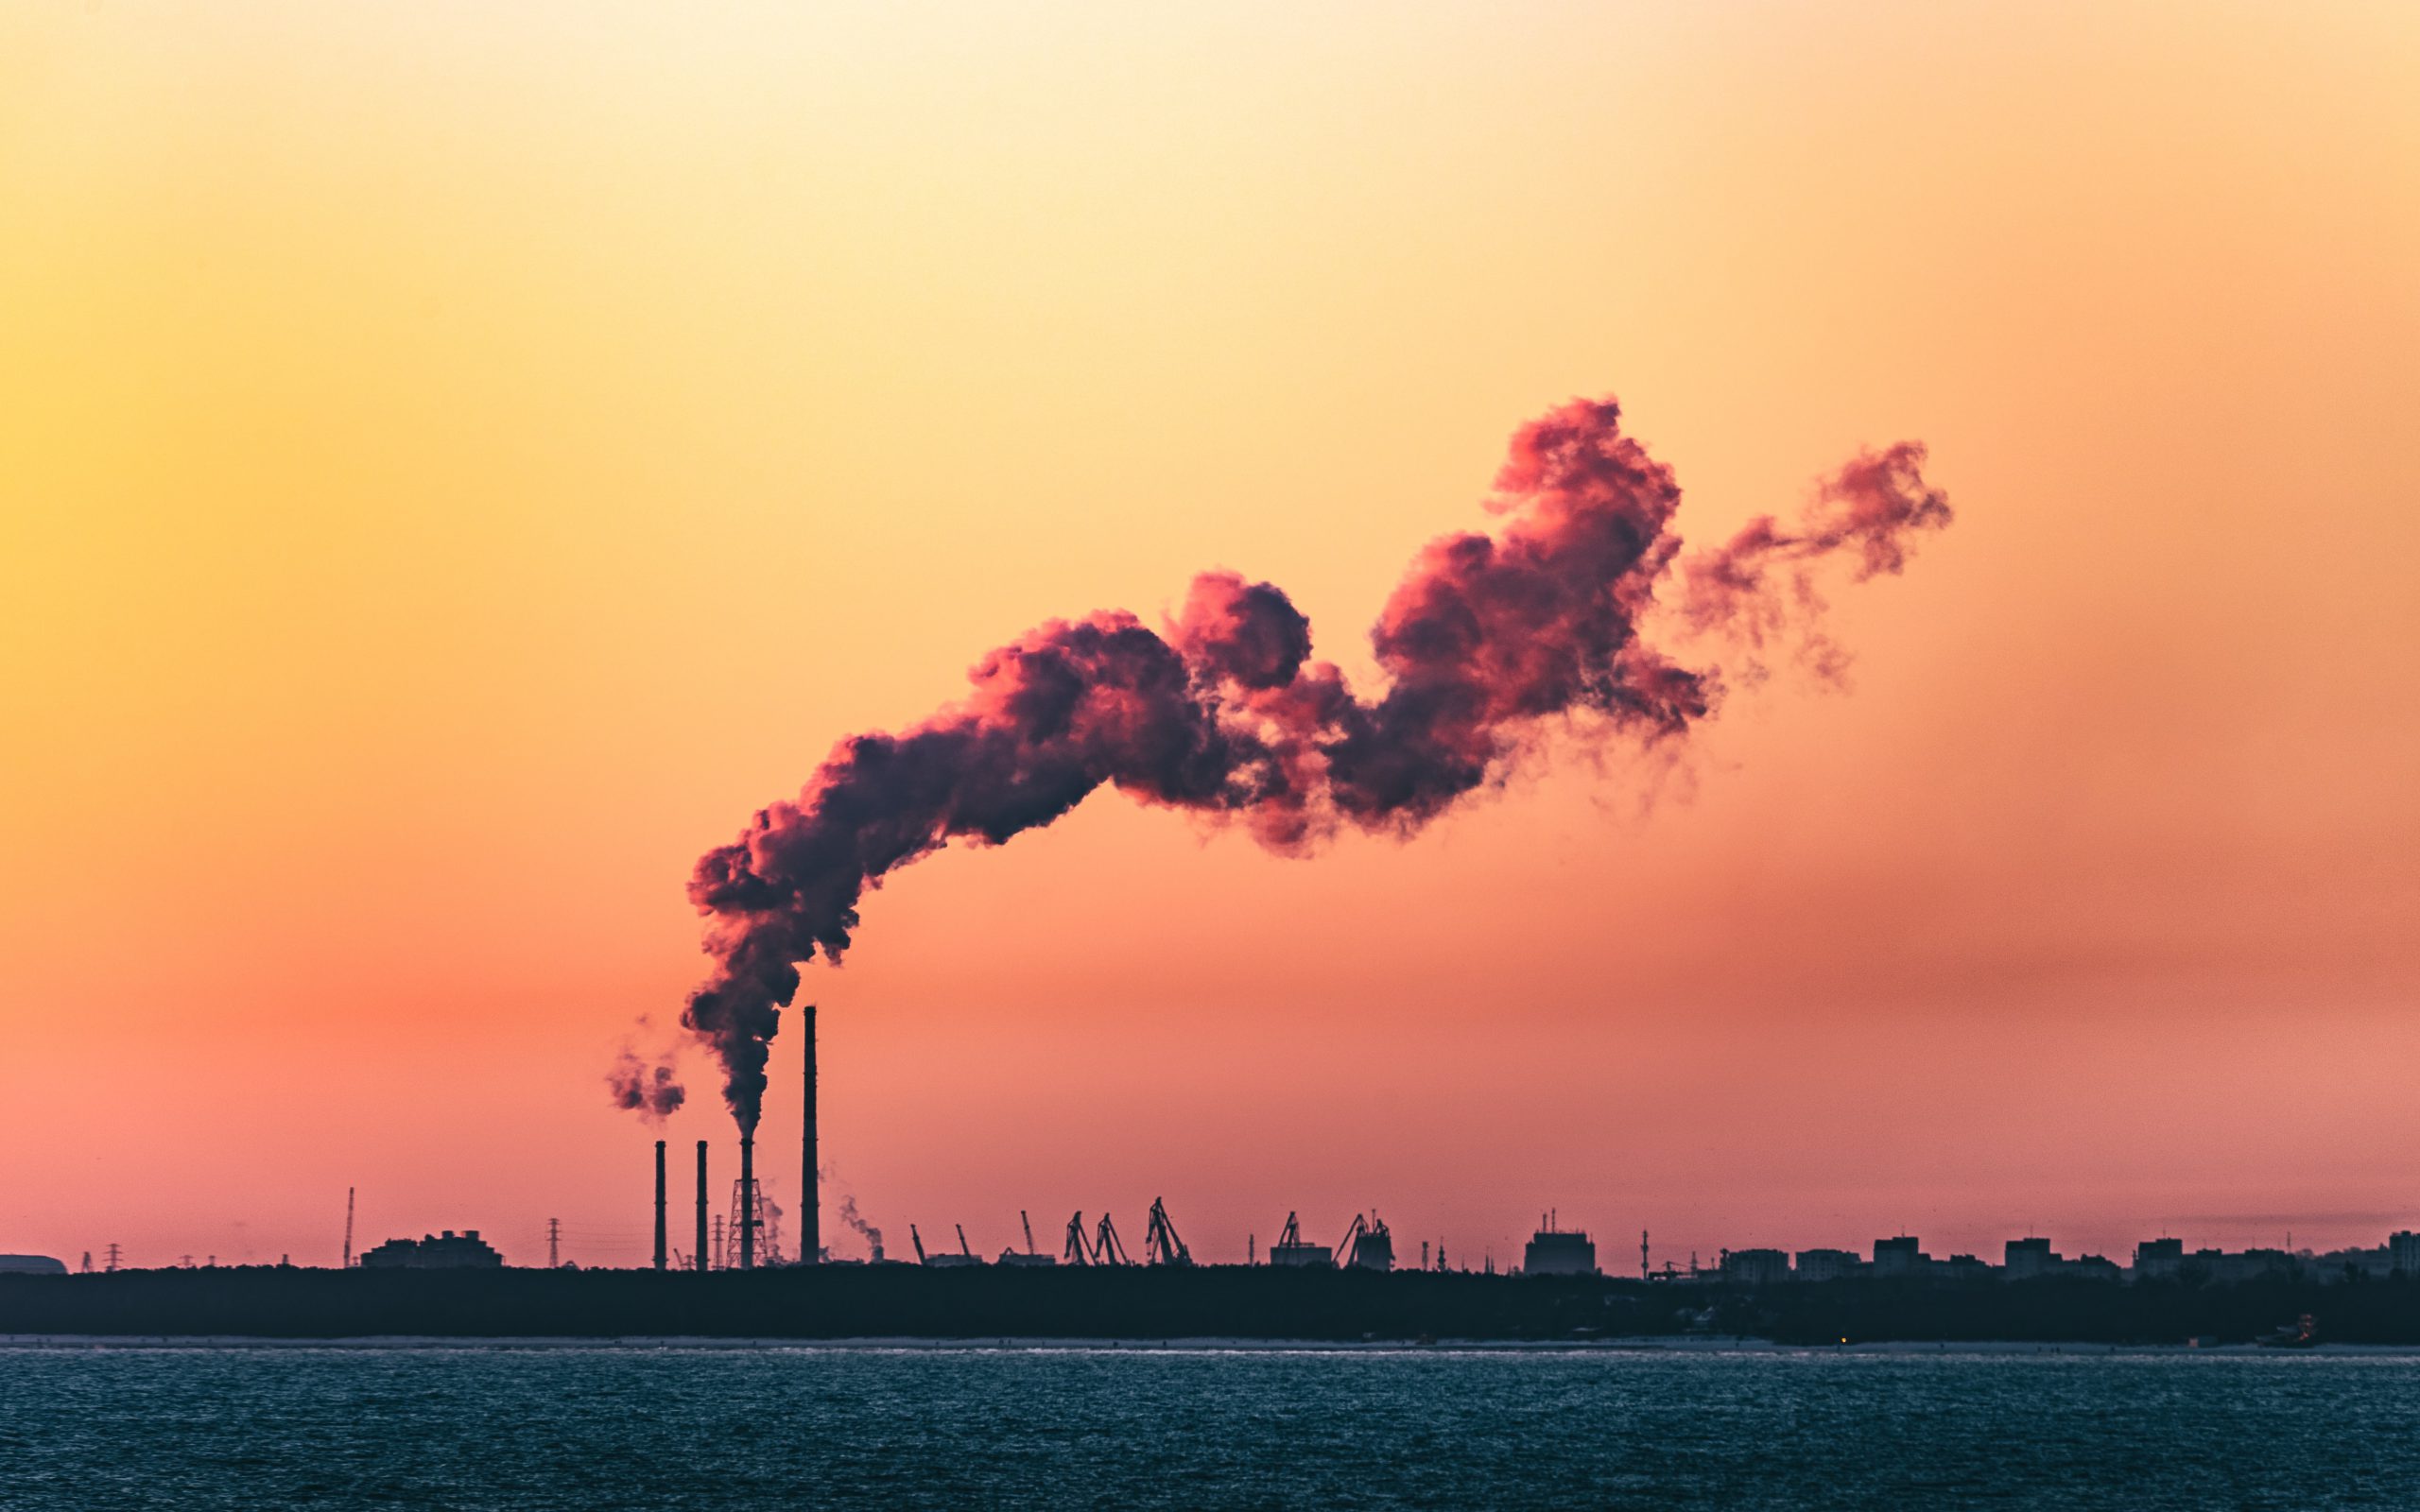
{"x": 1368, "y": 1244}
{"x": 1161, "y": 1246}
{"x": 1106, "y": 1249}
{"x": 918, "y": 1241}
{"x": 1076, "y": 1252}
{"x": 962, "y": 1242}
{"x": 1291, "y": 1249}
{"x": 1352, "y": 1235}
{"x": 1029, "y": 1258}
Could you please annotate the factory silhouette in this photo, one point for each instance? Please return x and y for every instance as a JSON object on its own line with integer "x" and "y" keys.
{"x": 738, "y": 1279}
{"x": 740, "y": 1231}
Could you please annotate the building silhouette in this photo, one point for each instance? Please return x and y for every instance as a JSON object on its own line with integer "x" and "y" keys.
{"x": 444, "y": 1251}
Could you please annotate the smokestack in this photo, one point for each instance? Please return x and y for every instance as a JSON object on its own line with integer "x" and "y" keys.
{"x": 810, "y": 1224}
{"x": 748, "y": 1202}
{"x": 699, "y": 1259}
{"x": 659, "y": 1205}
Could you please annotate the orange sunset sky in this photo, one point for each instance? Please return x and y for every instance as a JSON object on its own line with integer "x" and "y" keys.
{"x": 458, "y": 461}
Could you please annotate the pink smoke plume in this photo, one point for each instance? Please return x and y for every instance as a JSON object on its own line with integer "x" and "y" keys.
{"x": 1223, "y": 712}
{"x": 1759, "y": 586}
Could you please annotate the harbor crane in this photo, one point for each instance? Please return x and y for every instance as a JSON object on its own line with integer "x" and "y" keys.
{"x": 1291, "y": 1249}
{"x": 1102, "y": 1249}
{"x": 1029, "y": 1257}
{"x": 943, "y": 1259}
{"x": 1367, "y": 1246}
{"x": 1161, "y": 1246}
{"x": 1344, "y": 1245}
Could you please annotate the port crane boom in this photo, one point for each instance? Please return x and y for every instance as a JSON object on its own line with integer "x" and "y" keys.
{"x": 1161, "y": 1246}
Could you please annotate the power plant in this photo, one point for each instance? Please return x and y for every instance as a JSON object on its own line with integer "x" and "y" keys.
{"x": 749, "y": 1237}
{"x": 1367, "y": 1244}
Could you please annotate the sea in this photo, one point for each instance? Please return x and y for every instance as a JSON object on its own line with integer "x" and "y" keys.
{"x": 674, "y": 1425}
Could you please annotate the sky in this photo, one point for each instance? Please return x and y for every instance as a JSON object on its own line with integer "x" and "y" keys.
{"x": 457, "y": 462}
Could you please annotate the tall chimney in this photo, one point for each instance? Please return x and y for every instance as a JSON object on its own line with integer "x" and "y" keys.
{"x": 659, "y": 1205}
{"x": 810, "y": 1224}
{"x": 700, "y": 1257}
{"x": 748, "y": 1202}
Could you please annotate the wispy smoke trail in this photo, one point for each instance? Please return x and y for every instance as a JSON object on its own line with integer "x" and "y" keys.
{"x": 872, "y": 1234}
{"x": 771, "y": 1213}
{"x": 652, "y": 1090}
{"x": 1223, "y": 711}
{"x": 1759, "y": 586}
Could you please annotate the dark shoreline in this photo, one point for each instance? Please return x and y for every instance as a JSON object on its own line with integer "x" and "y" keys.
{"x": 1209, "y": 1302}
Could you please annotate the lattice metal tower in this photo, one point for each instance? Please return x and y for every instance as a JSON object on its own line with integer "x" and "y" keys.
{"x": 748, "y": 1221}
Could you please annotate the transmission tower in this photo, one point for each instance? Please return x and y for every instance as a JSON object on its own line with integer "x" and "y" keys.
{"x": 347, "y": 1228}
{"x": 112, "y": 1260}
{"x": 554, "y": 1242}
{"x": 88, "y": 1263}
{"x": 745, "y": 1225}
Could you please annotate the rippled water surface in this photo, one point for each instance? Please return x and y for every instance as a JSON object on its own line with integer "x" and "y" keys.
{"x": 609, "y": 1426}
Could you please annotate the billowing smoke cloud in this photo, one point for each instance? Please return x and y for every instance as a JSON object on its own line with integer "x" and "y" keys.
{"x": 1489, "y": 641}
{"x": 649, "y": 1089}
{"x": 872, "y": 1234}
